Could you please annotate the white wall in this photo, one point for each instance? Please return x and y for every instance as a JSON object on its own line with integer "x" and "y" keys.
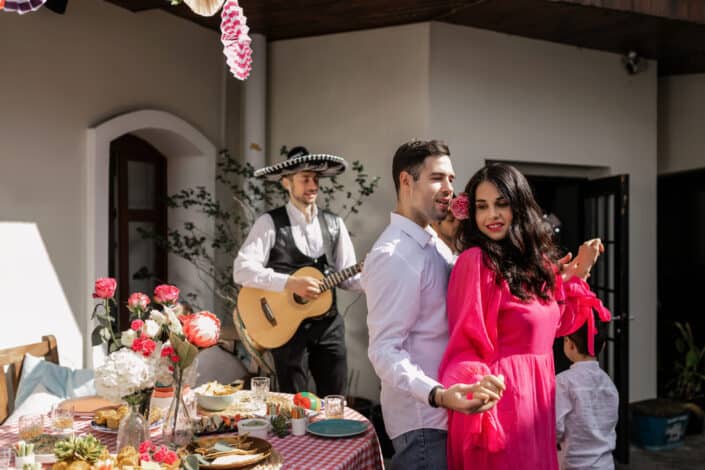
{"x": 490, "y": 96}
{"x": 501, "y": 97}
{"x": 357, "y": 95}
{"x": 681, "y": 140}
{"x": 63, "y": 74}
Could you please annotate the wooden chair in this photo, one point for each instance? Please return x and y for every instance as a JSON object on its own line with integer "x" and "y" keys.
{"x": 13, "y": 358}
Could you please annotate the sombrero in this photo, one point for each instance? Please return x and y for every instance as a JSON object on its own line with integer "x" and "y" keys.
{"x": 299, "y": 159}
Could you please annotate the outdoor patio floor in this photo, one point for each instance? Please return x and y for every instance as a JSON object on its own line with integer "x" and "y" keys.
{"x": 689, "y": 456}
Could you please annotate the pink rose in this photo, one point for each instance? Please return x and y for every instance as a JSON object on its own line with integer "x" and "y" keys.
{"x": 201, "y": 329}
{"x": 166, "y": 294}
{"x": 460, "y": 207}
{"x": 137, "y": 302}
{"x": 136, "y": 325}
{"x": 104, "y": 288}
{"x": 171, "y": 457}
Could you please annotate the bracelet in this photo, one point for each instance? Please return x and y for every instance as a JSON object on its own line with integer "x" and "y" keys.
{"x": 432, "y": 396}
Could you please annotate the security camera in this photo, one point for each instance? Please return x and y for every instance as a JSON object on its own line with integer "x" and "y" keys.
{"x": 633, "y": 63}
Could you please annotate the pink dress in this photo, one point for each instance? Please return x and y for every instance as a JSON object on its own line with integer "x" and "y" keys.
{"x": 491, "y": 331}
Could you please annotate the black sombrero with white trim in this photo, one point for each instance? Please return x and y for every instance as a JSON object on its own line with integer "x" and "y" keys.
{"x": 298, "y": 159}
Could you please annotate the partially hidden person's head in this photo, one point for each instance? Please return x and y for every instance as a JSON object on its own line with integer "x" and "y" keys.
{"x": 447, "y": 230}
{"x": 505, "y": 221}
{"x": 423, "y": 178}
{"x": 576, "y": 345}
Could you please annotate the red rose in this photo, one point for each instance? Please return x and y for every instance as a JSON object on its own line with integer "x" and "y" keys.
{"x": 160, "y": 454}
{"x": 137, "y": 302}
{"x": 201, "y": 329}
{"x": 144, "y": 345}
{"x": 171, "y": 457}
{"x": 105, "y": 288}
{"x": 136, "y": 325}
{"x": 145, "y": 457}
{"x": 145, "y": 446}
{"x": 166, "y": 294}
{"x": 460, "y": 207}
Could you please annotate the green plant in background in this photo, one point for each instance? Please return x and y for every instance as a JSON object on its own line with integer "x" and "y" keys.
{"x": 689, "y": 367}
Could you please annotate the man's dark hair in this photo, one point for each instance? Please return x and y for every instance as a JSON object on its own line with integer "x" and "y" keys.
{"x": 580, "y": 337}
{"x": 410, "y": 156}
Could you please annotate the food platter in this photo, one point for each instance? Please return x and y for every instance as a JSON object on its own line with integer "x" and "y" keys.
{"x": 231, "y": 452}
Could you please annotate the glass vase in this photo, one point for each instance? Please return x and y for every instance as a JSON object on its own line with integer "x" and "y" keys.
{"x": 132, "y": 430}
{"x": 178, "y": 426}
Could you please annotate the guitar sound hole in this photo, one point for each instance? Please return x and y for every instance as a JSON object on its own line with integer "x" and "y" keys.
{"x": 300, "y": 300}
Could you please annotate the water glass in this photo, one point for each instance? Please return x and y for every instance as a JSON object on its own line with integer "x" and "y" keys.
{"x": 62, "y": 419}
{"x": 260, "y": 388}
{"x": 334, "y": 406}
{"x": 5, "y": 457}
{"x": 31, "y": 426}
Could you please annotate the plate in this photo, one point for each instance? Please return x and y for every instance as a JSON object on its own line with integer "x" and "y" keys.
{"x": 87, "y": 406}
{"x": 337, "y": 428}
{"x": 107, "y": 430}
{"x": 263, "y": 448}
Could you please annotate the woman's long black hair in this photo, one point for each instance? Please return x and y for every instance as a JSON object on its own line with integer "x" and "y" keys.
{"x": 525, "y": 257}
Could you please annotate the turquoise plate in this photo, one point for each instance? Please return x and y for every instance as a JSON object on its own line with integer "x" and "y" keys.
{"x": 337, "y": 428}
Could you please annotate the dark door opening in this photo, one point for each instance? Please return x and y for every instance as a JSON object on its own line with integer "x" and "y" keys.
{"x": 582, "y": 209}
{"x": 137, "y": 202}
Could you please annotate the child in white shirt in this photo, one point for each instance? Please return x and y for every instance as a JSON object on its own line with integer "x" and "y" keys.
{"x": 586, "y": 406}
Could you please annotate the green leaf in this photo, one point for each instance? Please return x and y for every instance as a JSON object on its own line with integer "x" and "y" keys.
{"x": 96, "y": 337}
{"x": 186, "y": 351}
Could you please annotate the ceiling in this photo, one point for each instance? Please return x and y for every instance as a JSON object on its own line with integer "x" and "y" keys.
{"x": 671, "y": 32}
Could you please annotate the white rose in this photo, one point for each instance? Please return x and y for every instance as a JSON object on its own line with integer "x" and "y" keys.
{"x": 151, "y": 328}
{"x": 127, "y": 337}
{"x": 157, "y": 316}
{"x": 174, "y": 323}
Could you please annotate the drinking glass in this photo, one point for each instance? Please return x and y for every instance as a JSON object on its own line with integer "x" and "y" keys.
{"x": 62, "y": 420}
{"x": 260, "y": 388}
{"x": 31, "y": 426}
{"x": 334, "y": 406}
{"x": 5, "y": 457}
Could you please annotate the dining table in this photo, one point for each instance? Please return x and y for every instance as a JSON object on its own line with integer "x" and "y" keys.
{"x": 309, "y": 451}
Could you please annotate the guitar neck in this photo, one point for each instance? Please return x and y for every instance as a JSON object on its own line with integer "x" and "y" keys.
{"x": 336, "y": 278}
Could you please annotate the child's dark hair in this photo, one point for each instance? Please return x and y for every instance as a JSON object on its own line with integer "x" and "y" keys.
{"x": 580, "y": 337}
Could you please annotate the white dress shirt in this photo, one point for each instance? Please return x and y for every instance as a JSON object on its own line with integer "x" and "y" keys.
{"x": 586, "y": 417}
{"x": 249, "y": 268}
{"x": 405, "y": 279}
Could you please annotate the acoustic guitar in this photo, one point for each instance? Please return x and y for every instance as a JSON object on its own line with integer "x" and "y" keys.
{"x": 271, "y": 318}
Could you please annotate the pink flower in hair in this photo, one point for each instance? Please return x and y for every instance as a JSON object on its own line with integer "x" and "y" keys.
{"x": 460, "y": 206}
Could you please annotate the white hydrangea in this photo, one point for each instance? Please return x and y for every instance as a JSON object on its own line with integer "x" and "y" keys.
{"x": 124, "y": 373}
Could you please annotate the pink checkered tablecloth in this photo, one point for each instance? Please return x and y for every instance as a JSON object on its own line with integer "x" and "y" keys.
{"x": 307, "y": 452}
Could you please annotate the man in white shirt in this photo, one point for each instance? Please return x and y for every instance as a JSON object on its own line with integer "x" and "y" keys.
{"x": 405, "y": 279}
{"x": 587, "y": 405}
{"x": 286, "y": 239}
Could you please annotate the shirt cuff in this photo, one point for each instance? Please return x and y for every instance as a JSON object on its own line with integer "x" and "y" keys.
{"x": 422, "y": 387}
{"x": 278, "y": 281}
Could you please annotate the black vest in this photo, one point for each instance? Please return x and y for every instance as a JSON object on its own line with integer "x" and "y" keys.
{"x": 286, "y": 258}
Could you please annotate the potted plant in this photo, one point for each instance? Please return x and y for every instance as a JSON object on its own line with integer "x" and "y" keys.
{"x": 688, "y": 383}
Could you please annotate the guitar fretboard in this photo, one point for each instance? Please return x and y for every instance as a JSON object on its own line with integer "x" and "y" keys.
{"x": 336, "y": 278}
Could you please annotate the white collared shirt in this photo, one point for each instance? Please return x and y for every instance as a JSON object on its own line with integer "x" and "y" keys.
{"x": 405, "y": 279}
{"x": 586, "y": 417}
{"x": 249, "y": 268}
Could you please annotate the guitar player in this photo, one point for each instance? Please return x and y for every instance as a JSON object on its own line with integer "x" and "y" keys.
{"x": 286, "y": 239}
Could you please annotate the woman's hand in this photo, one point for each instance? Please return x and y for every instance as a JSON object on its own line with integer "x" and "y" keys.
{"x": 580, "y": 266}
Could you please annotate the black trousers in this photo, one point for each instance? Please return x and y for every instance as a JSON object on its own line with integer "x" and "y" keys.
{"x": 318, "y": 346}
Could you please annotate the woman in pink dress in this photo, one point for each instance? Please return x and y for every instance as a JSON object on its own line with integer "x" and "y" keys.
{"x": 507, "y": 302}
